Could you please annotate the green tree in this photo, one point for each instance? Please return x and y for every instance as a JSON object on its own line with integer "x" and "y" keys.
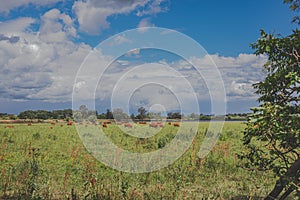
{"x": 142, "y": 113}
{"x": 78, "y": 116}
{"x": 174, "y": 115}
{"x": 132, "y": 116}
{"x": 109, "y": 114}
{"x": 272, "y": 135}
{"x": 27, "y": 114}
{"x": 84, "y": 111}
{"x": 119, "y": 115}
{"x": 101, "y": 116}
{"x": 92, "y": 118}
{"x": 43, "y": 114}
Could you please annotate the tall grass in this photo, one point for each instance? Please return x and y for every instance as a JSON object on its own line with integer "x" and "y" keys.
{"x": 39, "y": 162}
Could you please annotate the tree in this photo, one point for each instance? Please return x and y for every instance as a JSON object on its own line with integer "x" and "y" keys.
{"x": 154, "y": 115}
{"x": 132, "y": 116}
{"x": 295, "y": 6}
{"x": 92, "y": 118}
{"x": 28, "y": 114}
{"x": 272, "y": 135}
{"x": 174, "y": 115}
{"x": 84, "y": 111}
{"x": 101, "y": 116}
{"x": 78, "y": 116}
{"x": 62, "y": 114}
{"x": 109, "y": 114}
{"x": 119, "y": 115}
{"x": 142, "y": 113}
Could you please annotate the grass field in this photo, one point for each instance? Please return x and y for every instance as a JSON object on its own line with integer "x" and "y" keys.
{"x": 47, "y": 161}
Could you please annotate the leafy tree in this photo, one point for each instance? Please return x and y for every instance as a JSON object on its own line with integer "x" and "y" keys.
{"x": 155, "y": 116}
{"x": 12, "y": 117}
{"x": 194, "y": 116}
{"x": 205, "y": 117}
{"x": 101, "y": 116}
{"x": 272, "y": 135}
{"x": 68, "y": 113}
{"x": 142, "y": 113}
{"x": 92, "y": 118}
{"x": 132, "y": 116}
{"x": 119, "y": 115}
{"x": 295, "y": 6}
{"x": 3, "y": 114}
{"x": 109, "y": 114}
{"x": 43, "y": 114}
{"x": 27, "y": 114}
{"x": 84, "y": 111}
{"x": 62, "y": 114}
{"x": 174, "y": 115}
{"x": 78, "y": 116}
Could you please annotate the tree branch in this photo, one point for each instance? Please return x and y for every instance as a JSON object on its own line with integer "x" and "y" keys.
{"x": 284, "y": 180}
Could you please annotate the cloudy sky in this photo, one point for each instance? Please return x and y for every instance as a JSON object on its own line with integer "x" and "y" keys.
{"x": 48, "y": 48}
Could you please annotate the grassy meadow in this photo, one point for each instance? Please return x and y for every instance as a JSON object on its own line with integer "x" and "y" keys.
{"x": 49, "y": 161}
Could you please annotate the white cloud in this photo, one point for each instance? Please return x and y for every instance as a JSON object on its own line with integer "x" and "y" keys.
{"x": 43, "y": 66}
{"x": 56, "y": 26}
{"x": 149, "y": 84}
{"x": 92, "y": 15}
{"x": 144, "y": 24}
{"x": 120, "y": 39}
{"x": 155, "y": 7}
{"x": 133, "y": 53}
{"x": 15, "y": 26}
{"x": 39, "y": 66}
{"x": 6, "y": 6}
{"x": 238, "y": 73}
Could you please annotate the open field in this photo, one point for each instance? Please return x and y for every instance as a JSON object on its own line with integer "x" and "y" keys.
{"x": 49, "y": 161}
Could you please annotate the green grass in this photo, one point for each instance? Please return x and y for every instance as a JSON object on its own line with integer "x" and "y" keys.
{"x": 37, "y": 162}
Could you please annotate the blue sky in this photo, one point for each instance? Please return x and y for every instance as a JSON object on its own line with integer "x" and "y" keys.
{"x": 44, "y": 43}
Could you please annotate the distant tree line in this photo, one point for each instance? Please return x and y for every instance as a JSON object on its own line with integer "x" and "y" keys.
{"x": 83, "y": 113}
{"x": 44, "y": 114}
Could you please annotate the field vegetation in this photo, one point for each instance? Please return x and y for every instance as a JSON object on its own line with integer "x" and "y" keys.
{"x": 49, "y": 161}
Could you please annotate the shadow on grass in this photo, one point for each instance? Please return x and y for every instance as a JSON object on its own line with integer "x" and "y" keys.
{"x": 245, "y": 197}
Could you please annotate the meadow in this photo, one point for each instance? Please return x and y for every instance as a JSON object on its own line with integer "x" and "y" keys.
{"x": 49, "y": 161}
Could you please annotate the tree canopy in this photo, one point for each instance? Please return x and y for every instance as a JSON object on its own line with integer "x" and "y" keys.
{"x": 272, "y": 136}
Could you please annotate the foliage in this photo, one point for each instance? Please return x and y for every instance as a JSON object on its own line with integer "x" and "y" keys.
{"x": 295, "y": 6}
{"x": 67, "y": 171}
{"x": 119, "y": 115}
{"x": 142, "y": 113}
{"x": 109, "y": 114}
{"x": 44, "y": 114}
{"x": 272, "y": 136}
{"x": 92, "y": 118}
{"x": 174, "y": 115}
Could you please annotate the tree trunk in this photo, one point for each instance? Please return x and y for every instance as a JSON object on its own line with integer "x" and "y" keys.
{"x": 287, "y": 192}
{"x": 283, "y": 180}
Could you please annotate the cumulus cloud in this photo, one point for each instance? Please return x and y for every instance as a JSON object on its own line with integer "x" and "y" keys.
{"x": 238, "y": 73}
{"x": 56, "y": 26}
{"x": 92, "y": 15}
{"x": 42, "y": 65}
{"x": 7, "y": 6}
{"x": 11, "y": 27}
{"x": 127, "y": 85}
{"x": 11, "y": 39}
{"x": 144, "y": 24}
{"x": 155, "y": 7}
{"x": 145, "y": 85}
